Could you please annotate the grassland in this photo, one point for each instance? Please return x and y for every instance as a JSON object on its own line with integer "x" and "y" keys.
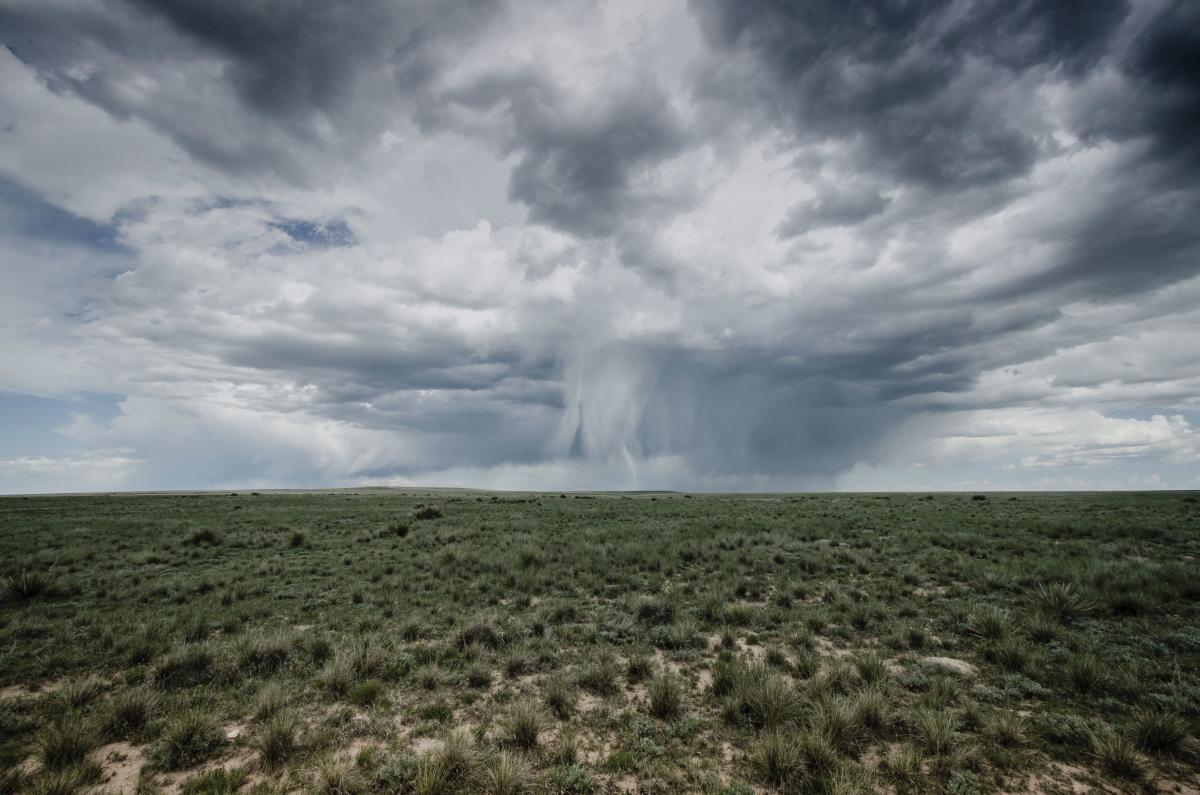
{"x": 388, "y": 641}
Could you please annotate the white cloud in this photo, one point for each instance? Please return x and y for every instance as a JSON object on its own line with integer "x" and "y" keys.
{"x": 580, "y": 245}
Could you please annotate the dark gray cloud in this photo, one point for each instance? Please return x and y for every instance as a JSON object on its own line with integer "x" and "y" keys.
{"x": 1165, "y": 63}
{"x": 290, "y": 57}
{"x": 833, "y": 208}
{"x": 578, "y": 159}
{"x": 243, "y": 86}
{"x": 913, "y": 84}
{"x": 576, "y": 173}
{"x": 1139, "y": 239}
{"x": 930, "y": 95}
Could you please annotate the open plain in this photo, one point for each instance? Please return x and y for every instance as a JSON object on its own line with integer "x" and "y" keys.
{"x": 437, "y": 641}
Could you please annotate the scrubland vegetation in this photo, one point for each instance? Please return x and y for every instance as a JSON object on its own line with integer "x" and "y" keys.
{"x": 455, "y": 642}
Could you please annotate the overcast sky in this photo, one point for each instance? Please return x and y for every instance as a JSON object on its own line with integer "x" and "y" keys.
{"x": 719, "y": 244}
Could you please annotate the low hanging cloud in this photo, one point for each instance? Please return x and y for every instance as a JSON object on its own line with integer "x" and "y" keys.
{"x": 707, "y": 244}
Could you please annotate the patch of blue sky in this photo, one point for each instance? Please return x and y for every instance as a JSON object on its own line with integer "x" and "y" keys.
{"x": 28, "y": 215}
{"x": 313, "y": 234}
{"x": 31, "y": 425}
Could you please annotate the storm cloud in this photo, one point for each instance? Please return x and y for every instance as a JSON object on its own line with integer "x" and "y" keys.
{"x": 707, "y": 245}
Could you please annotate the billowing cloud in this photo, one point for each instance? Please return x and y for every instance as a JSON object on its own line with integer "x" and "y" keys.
{"x": 724, "y": 245}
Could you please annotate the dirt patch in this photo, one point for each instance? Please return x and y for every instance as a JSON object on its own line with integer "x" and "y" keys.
{"x": 350, "y": 752}
{"x": 960, "y": 667}
{"x": 595, "y": 756}
{"x": 827, "y": 649}
{"x": 588, "y": 701}
{"x": 242, "y": 758}
{"x": 14, "y": 691}
{"x": 753, "y": 650}
{"x": 422, "y": 746}
{"x": 626, "y": 784}
{"x": 1058, "y": 778}
{"x": 1166, "y": 785}
{"x": 26, "y": 690}
{"x": 122, "y": 767}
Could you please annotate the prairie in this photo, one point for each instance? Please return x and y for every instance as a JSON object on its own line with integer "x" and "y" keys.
{"x": 441, "y": 641}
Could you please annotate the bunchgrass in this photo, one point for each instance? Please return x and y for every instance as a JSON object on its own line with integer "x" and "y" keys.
{"x": 599, "y": 676}
{"x": 185, "y": 666}
{"x": 1117, "y": 755}
{"x": 24, "y": 585}
{"x": 665, "y": 693}
{"x": 276, "y": 740}
{"x": 934, "y": 730}
{"x": 507, "y": 774}
{"x": 128, "y": 714}
{"x": 66, "y": 741}
{"x": 761, "y": 698}
{"x": 560, "y": 696}
{"x": 522, "y": 725}
{"x": 218, "y": 781}
{"x": 777, "y": 759}
{"x": 270, "y": 700}
{"x": 1158, "y": 732}
{"x": 189, "y": 737}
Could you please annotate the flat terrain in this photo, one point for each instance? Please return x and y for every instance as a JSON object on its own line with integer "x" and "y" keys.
{"x": 454, "y": 641}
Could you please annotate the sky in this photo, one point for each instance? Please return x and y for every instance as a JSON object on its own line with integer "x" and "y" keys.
{"x": 720, "y": 245}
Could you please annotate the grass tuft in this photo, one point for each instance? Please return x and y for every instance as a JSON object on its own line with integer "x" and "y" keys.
{"x": 24, "y": 585}
{"x": 188, "y": 738}
{"x": 666, "y": 696}
{"x": 1117, "y": 755}
{"x": 1083, "y": 673}
{"x": 479, "y": 675}
{"x": 638, "y": 668}
{"x": 507, "y": 774}
{"x": 335, "y": 777}
{"x": 762, "y": 699}
{"x": 522, "y": 725}
{"x": 935, "y": 730}
{"x": 989, "y": 622}
{"x": 599, "y": 676}
{"x": 560, "y": 696}
{"x": 270, "y": 700}
{"x": 128, "y": 714}
{"x": 485, "y": 632}
{"x": 364, "y": 694}
{"x": 219, "y": 781}
{"x": 777, "y": 759}
{"x": 1158, "y": 732}
{"x": 184, "y": 666}
{"x": 276, "y": 740}
{"x": 66, "y": 742}
{"x": 452, "y": 768}
{"x": 78, "y": 693}
{"x": 262, "y": 654}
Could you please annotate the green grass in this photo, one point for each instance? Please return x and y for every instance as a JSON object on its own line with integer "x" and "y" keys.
{"x": 522, "y": 725}
{"x": 507, "y": 774}
{"x": 473, "y": 642}
{"x": 189, "y": 737}
{"x": 66, "y": 742}
{"x": 666, "y": 696}
{"x": 276, "y": 740}
{"x": 128, "y": 714}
